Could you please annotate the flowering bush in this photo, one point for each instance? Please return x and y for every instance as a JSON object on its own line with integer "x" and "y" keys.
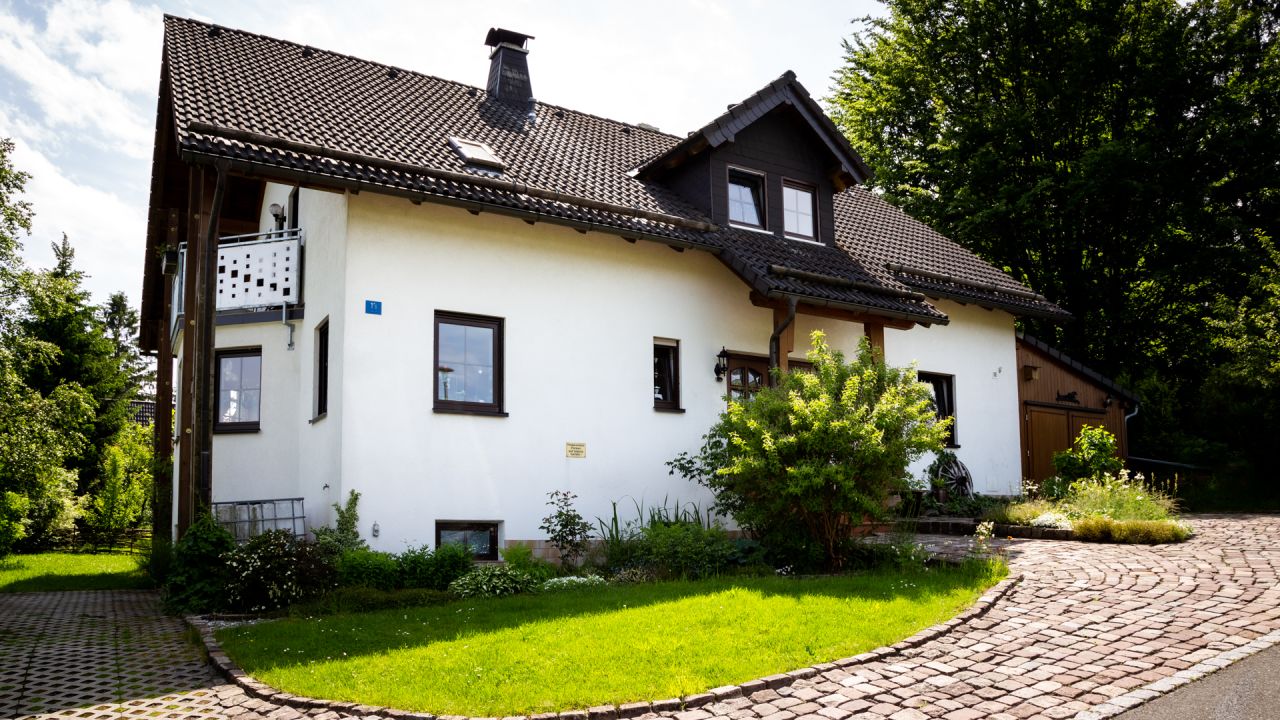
{"x": 566, "y": 583}
{"x": 274, "y": 570}
{"x": 1117, "y": 496}
{"x": 1052, "y": 519}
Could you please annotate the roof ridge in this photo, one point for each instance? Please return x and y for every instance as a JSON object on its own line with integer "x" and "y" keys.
{"x": 437, "y": 78}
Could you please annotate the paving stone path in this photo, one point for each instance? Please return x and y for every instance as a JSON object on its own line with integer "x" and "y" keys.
{"x": 1090, "y": 631}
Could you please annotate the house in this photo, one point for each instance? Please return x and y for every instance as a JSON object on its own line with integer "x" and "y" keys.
{"x": 454, "y": 299}
{"x": 1058, "y": 396}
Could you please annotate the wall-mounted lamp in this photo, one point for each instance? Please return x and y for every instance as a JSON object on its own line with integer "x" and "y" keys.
{"x": 376, "y": 530}
{"x": 1107, "y": 401}
{"x": 277, "y": 212}
{"x": 1030, "y": 372}
{"x": 722, "y": 363}
{"x": 169, "y": 262}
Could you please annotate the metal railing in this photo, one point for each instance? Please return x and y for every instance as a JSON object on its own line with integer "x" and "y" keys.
{"x": 246, "y": 519}
{"x": 255, "y": 270}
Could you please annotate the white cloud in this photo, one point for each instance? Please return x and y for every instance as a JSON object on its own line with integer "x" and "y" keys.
{"x": 67, "y": 99}
{"x": 117, "y": 42}
{"x": 107, "y": 232}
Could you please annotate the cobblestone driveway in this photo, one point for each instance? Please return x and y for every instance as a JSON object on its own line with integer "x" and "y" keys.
{"x": 1091, "y": 630}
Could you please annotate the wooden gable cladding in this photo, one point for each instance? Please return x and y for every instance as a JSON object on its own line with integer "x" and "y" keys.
{"x": 1057, "y": 400}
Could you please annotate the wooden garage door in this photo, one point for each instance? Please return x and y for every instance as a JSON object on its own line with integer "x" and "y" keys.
{"x": 1052, "y": 430}
{"x": 1048, "y": 431}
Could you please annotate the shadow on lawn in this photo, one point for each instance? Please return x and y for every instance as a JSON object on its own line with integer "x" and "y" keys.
{"x": 262, "y": 647}
{"x": 52, "y": 582}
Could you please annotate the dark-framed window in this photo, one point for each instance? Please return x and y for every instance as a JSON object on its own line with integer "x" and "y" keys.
{"x": 322, "y": 368}
{"x": 944, "y": 399}
{"x": 746, "y": 198}
{"x": 292, "y": 220}
{"x": 799, "y": 210}
{"x": 666, "y": 374}
{"x": 239, "y": 390}
{"x": 468, "y": 363}
{"x": 480, "y": 537}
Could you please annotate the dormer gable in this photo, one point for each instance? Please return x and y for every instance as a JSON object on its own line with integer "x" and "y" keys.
{"x": 771, "y": 163}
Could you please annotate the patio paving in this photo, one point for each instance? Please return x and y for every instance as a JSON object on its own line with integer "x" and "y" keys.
{"x": 1090, "y": 631}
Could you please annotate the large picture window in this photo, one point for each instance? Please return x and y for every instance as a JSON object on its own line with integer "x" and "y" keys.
{"x": 944, "y": 399}
{"x": 746, "y": 198}
{"x": 468, "y": 366}
{"x": 239, "y": 390}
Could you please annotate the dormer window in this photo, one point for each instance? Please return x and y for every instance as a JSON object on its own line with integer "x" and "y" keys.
{"x": 798, "y": 210}
{"x": 746, "y": 198}
{"x": 477, "y": 153}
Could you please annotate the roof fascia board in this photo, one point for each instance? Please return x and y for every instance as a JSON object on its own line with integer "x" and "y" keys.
{"x": 991, "y": 304}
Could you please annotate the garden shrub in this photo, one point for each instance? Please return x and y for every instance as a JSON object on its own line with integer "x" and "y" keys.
{"x": 799, "y": 465}
{"x": 199, "y": 576}
{"x": 632, "y": 575}
{"x": 452, "y": 561}
{"x": 1149, "y": 532}
{"x": 120, "y": 499}
{"x": 345, "y": 533}
{"x": 274, "y": 570}
{"x": 363, "y": 567}
{"x": 493, "y": 581}
{"x": 685, "y": 550}
{"x": 367, "y": 599}
{"x": 1119, "y": 497}
{"x": 520, "y": 557}
{"x": 1092, "y": 455}
{"x": 13, "y": 519}
{"x": 565, "y": 527}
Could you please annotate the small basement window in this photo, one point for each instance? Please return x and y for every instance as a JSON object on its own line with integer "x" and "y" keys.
{"x": 746, "y": 198}
{"x": 477, "y": 153}
{"x": 944, "y": 400}
{"x": 480, "y": 537}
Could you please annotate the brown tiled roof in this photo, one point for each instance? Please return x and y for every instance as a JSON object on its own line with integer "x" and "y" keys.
{"x": 306, "y": 113}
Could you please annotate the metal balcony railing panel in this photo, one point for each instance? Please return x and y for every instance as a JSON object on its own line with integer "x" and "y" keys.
{"x": 258, "y": 270}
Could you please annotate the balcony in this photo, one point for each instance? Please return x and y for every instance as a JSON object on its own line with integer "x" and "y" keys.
{"x": 256, "y": 272}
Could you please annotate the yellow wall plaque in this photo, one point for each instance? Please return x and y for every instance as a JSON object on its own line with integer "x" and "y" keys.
{"x": 576, "y": 451}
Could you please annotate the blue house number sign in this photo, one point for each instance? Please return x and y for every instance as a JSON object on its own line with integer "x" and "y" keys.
{"x": 372, "y": 307}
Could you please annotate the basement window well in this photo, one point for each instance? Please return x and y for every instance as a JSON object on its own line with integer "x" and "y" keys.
{"x": 477, "y": 153}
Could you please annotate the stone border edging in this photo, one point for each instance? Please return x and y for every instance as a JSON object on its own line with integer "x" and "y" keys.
{"x": 966, "y": 527}
{"x": 235, "y": 674}
{"x": 1152, "y": 690}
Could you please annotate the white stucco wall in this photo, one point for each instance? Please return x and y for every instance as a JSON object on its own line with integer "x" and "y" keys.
{"x": 580, "y": 313}
{"x": 978, "y": 348}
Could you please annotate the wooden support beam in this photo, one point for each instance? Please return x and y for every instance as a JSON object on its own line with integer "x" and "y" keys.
{"x": 875, "y": 332}
{"x": 162, "y": 435}
{"x": 186, "y": 382}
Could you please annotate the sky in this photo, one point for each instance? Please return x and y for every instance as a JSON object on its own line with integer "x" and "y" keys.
{"x": 79, "y": 78}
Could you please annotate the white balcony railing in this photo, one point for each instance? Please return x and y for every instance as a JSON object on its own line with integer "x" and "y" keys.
{"x": 257, "y": 271}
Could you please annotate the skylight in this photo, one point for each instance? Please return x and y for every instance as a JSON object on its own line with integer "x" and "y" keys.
{"x": 477, "y": 153}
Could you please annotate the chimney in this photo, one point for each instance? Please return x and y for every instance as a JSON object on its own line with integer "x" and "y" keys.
{"x": 509, "y": 66}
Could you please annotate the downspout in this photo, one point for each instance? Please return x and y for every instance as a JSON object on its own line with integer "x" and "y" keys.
{"x": 775, "y": 340}
{"x": 1129, "y": 416}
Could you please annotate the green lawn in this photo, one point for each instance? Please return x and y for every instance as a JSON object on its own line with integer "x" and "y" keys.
{"x": 71, "y": 571}
{"x": 527, "y": 654}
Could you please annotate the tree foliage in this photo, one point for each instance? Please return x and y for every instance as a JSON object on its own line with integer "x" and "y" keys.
{"x": 801, "y": 463}
{"x": 1118, "y": 156}
{"x": 120, "y": 499}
